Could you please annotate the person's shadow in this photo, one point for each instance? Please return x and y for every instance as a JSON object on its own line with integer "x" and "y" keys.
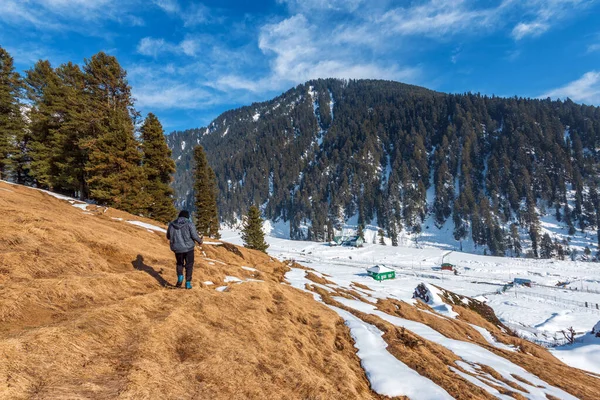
{"x": 138, "y": 264}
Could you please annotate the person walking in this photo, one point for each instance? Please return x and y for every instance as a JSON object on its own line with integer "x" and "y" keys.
{"x": 182, "y": 235}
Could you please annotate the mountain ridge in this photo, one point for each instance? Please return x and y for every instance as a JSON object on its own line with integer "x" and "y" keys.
{"x": 404, "y": 158}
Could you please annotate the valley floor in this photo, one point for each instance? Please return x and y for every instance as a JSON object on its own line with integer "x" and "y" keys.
{"x": 539, "y": 313}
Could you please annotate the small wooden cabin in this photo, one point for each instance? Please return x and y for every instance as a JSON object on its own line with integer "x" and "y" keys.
{"x": 381, "y": 272}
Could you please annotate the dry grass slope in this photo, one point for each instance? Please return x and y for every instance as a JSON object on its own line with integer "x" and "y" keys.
{"x": 84, "y": 315}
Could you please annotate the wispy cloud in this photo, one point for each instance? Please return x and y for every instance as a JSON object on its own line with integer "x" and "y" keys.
{"x": 299, "y": 51}
{"x": 170, "y": 6}
{"x": 191, "y": 15}
{"x": 154, "y": 47}
{"x": 68, "y": 14}
{"x": 584, "y": 90}
{"x": 541, "y": 15}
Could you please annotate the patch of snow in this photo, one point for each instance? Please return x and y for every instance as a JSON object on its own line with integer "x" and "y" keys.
{"x": 215, "y": 261}
{"x": 468, "y": 352}
{"x": 208, "y": 283}
{"x": 117, "y": 219}
{"x": 147, "y": 226}
{"x": 487, "y": 335}
{"x": 249, "y": 269}
{"x": 183, "y": 145}
{"x": 81, "y": 206}
{"x": 387, "y": 375}
{"x": 221, "y": 288}
{"x": 481, "y": 384}
{"x": 231, "y": 279}
{"x": 256, "y": 116}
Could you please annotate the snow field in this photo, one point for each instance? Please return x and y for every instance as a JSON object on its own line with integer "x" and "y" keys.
{"x": 391, "y": 378}
{"x": 540, "y": 319}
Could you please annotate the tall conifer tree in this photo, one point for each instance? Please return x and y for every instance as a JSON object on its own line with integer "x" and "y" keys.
{"x": 12, "y": 128}
{"x": 114, "y": 167}
{"x": 252, "y": 233}
{"x": 42, "y": 85}
{"x": 158, "y": 167}
{"x": 207, "y": 222}
{"x": 214, "y": 211}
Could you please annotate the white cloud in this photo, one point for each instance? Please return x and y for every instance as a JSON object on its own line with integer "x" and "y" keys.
{"x": 438, "y": 17}
{"x": 68, "y": 14}
{"x": 319, "y": 5}
{"x": 170, "y": 6}
{"x": 584, "y": 90}
{"x": 593, "y": 47}
{"x": 196, "y": 14}
{"x": 299, "y": 51}
{"x": 541, "y": 15}
{"x": 531, "y": 29}
{"x": 154, "y": 47}
{"x": 171, "y": 94}
{"x": 151, "y": 47}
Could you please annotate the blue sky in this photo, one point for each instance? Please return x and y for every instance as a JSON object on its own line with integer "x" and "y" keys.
{"x": 188, "y": 61}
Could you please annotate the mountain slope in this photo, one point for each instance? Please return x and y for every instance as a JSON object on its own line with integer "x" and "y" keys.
{"x": 84, "y": 314}
{"x": 406, "y": 159}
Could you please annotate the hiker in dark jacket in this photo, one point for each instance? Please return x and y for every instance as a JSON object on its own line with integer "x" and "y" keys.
{"x": 182, "y": 234}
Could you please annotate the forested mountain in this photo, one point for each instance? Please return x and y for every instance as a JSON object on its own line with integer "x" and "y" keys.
{"x": 399, "y": 157}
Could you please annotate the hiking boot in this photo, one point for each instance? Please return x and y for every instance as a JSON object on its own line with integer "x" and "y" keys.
{"x": 179, "y": 281}
{"x": 188, "y": 285}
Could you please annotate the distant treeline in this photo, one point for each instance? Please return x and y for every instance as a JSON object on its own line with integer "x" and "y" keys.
{"x": 74, "y": 130}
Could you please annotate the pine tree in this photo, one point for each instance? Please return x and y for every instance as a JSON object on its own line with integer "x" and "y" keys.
{"x": 213, "y": 210}
{"x": 381, "y": 236}
{"x": 515, "y": 240}
{"x": 207, "y": 219}
{"x": 114, "y": 166}
{"x": 40, "y": 81}
{"x": 360, "y": 232}
{"x": 12, "y": 130}
{"x": 546, "y": 246}
{"x": 158, "y": 167}
{"x": 59, "y": 121}
{"x": 252, "y": 233}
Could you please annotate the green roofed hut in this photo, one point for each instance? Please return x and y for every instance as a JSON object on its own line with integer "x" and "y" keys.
{"x": 381, "y": 272}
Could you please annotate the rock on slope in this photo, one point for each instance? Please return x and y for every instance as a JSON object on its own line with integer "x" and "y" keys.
{"x": 84, "y": 314}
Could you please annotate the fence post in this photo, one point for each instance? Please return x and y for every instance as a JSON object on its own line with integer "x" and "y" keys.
{"x": 586, "y": 306}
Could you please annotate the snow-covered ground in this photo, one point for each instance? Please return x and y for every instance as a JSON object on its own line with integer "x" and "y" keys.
{"x": 539, "y": 313}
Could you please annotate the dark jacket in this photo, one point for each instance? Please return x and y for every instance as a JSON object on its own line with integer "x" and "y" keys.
{"x": 182, "y": 234}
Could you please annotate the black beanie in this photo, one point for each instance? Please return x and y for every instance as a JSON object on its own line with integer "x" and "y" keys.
{"x": 184, "y": 214}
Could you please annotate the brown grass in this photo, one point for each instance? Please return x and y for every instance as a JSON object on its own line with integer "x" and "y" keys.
{"x": 84, "y": 314}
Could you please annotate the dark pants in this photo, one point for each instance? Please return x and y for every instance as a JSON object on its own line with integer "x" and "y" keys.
{"x": 185, "y": 260}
